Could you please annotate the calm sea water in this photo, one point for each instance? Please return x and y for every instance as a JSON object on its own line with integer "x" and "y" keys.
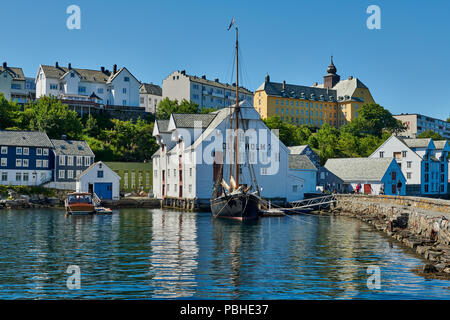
{"x": 155, "y": 254}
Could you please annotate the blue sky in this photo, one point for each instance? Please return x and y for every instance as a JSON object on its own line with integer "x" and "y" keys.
{"x": 405, "y": 64}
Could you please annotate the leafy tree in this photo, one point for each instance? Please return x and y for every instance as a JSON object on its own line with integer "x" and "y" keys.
{"x": 91, "y": 127}
{"x": 9, "y": 113}
{"x": 448, "y": 119}
{"x": 327, "y": 142}
{"x": 430, "y": 134}
{"x": 53, "y": 117}
{"x": 373, "y": 119}
{"x": 368, "y": 144}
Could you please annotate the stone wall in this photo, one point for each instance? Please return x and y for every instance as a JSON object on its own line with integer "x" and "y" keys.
{"x": 420, "y": 223}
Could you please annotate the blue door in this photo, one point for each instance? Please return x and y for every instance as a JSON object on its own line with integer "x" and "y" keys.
{"x": 103, "y": 190}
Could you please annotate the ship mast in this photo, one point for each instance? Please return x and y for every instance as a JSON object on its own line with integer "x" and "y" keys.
{"x": 236, "y": 113}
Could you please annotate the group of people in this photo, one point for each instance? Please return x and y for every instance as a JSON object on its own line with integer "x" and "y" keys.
{"x": 358, "y": 188}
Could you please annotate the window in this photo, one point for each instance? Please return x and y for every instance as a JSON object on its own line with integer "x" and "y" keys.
{"x": 53, "y": 86}
{"x": 62, "y": 160}
{"x": 72, "y": 75}
{"x": 61, "y": 174}
{"x": 70, "y": 160}
{"x": 426, "y": 188}
{"x": 39, "y": 151}
{"x": 45, "y": 163}
{"x": 25, "y": 162}
{"x": 87, "y": 161}
{"x": 294, "y": 188}
{"x": 427, "y": 167}
{"x": 69, "y": 174}
{"x": 38, "y": 163}
{"x": 79, "y": 161}
{"x": 408, "y": 164}
{"x": 81, "y": 89}
{"x": 18, "y": 176}
{"x": 124, "y": 90}
{"x": 25, "y": 176}
{"x": 394, "y": 175}
{"x": 19, "y": 150}
{"x": 408, "y": 175}
{"x": 4, "y": 176}
{"x": 381, "y": 154}
{"x": 404, "y": 154}
{"x": 26, "y": 151}
{"x": 100, "y": 174}
{"x": 427, "y": 177}
{"x": 18, "y": 162}
{"x": 124, "y": 102}
{"x": 4, "y": 150}
{"x": 16, "y": 86}
{"x": 190, "y": 188}
{"x": 190, "y": 172}
{"x": 126, "y": 79}
{"x": 45, "y": 152}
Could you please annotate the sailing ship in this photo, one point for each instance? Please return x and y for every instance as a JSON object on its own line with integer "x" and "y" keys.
{"x": 235, "y": 200}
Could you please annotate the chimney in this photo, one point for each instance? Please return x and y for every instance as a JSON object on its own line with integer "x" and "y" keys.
{"x": 5, "y": 65}
{"x": 216, "y": 80}
{"x": 284, "y": 85}
{"x": 203, "y": 77}
{"x": 103, "y": 69}
{"x": 350, "y": 78}
{"x": 115, "y": 69}
{"x": 70, "y": 66}
{"x": 267, "y": 78}
{"x": 56, "y": 64}
{"x": 183, "y": 72}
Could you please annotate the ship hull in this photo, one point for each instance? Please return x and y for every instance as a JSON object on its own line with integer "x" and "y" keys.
{"x": 240, "y": 206}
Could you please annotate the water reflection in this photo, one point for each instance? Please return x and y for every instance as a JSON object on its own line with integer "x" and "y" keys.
{"x": 144, "y": 254}
{"x": 174, "y": 254}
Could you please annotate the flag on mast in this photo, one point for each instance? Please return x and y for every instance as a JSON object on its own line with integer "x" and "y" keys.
{"x": 231, "y": 24}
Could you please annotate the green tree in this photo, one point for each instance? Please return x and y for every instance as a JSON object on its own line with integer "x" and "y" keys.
{"x": 91, "y": 127}
{"x": 10, "y": 115}
{"x": 53, "y": 117}
{"x": 373, "y": 119}
{"x": 430, "y": 134}
{"x": 327, "y": 142}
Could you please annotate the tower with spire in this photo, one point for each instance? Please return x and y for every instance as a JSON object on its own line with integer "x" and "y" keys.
{"x": 331, "y": 78}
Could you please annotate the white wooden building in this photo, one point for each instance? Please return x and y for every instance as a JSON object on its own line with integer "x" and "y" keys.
{"x": 101, "y": 180}
{"x": 425, "y": 167}
{"x": 191, "y": 146}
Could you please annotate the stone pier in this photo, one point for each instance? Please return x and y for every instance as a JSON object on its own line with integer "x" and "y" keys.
{"x": 419, "y": 223}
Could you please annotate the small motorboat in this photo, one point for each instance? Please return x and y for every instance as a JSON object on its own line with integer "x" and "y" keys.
{"x": 79, "y": 203}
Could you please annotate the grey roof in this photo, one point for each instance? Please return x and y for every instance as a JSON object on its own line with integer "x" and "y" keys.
{"x": 296, "y": 91}
{"x": 297, "y": 149}
{"x": 344, "y": 88}
{"x": 150, "y": 88}
{"x": 218, "y": 84}
{"x": 359, "y": 169}
{"x": 84, "y": 74}
{"x": 25, "y": 139}
{"x": 440, "y": 144}
{"x": 72, "y": 147}
{"x": 416, "y": 143}
{"x": 187, "y": 120}
{"x": 16, "y": 73}
{"x": 163, "y": 125}
{"x": 297, "y": 161}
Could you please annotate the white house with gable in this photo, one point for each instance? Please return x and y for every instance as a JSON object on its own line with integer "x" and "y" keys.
{"x": 117, "y": 87}
{"x": 191, "y": 149}
{"x": 101, "y": 180}
{"x": 425, "y": 170}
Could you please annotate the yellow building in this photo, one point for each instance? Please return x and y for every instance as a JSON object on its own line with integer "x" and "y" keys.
{"x": 334, "y": 102}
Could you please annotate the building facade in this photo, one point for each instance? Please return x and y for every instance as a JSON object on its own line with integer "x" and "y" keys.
{"x": 15, "y": 86}
{"x": 26, "y": 158}
{"x": 72, "y": 157}
{"x": 206, "y": 93}
{"x": 335, "y": 102}
{"x": 418, "y": 123}
{"x": 117, "y": 87}
{"x": 374, "y": 175}
{"x": 101, "y": 180}
{"x": 182, "y": 172}
{"x": 425, "y": 169}
{"x": 149, "y": 97}
{"x": 134, "y": 176}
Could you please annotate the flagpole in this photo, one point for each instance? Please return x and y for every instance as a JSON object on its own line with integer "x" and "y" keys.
{"x": 237, "y": 111}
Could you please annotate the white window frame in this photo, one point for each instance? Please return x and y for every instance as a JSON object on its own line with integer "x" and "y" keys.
{"x": 69, "y": 174}
{"x": 18, "y": 163}
{"x": 44, "y": 163}
{"x": 19, "y": 150}
{"x": 38, "y": 163}
{"x": 25, "y": 163}
{"x": 61, "y": 174}
{"x": 62, "y": 160}
{"x": 87, "y": 161}
{"x": 4, "y": 162}
{"x": 39, "y": 151}
{"x": 26, "y": 151}
{"x": 79, "y": 161}
{"x": 45, "y": 152}
{"x": 70, "y": 160}
{"x": 4, "y": 150}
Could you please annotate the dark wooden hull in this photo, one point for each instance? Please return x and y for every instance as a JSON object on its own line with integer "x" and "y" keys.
{"x": 240, "y": 206}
